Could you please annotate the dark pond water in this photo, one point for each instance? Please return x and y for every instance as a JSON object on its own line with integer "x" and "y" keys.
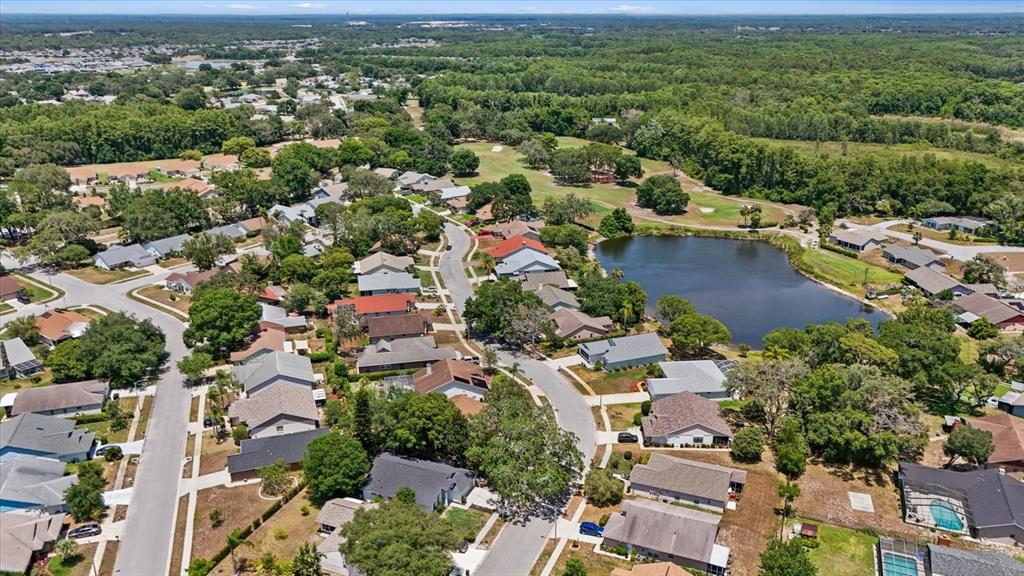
{"x": 747, "y": 285}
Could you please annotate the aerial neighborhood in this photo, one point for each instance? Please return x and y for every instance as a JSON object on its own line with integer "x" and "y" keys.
{"x": 605, "y": 295}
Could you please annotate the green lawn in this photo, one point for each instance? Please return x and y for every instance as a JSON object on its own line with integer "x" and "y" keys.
{"x": 96, "y": 275}
{"x": 621, "y": 415}
{"x": 102, "y": 428}
{"x": 705, "y": 207}
{"x": 856, "y": 149}
{"x": 37, "y": 291}
{"x": 5, "y": 307}
{"x": 74, "y": 566}
{"x": 417, "y": 198}
{"x": 843, "y": 552}
{"x": 467, "y": 522}
{"x": 44, "y": 378}
{"x": 614, "y": 382}
{"x": 845, "y": 272}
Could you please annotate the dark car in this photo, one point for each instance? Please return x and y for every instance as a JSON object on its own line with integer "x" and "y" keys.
{"x": 591, "y": 529}
{"x": 208, "y": 422}
{"x": 628, "y": 438}
{"x": 448, "y": 247}
{"x": 24, "y": 299}
{"x": 85, "y": 531}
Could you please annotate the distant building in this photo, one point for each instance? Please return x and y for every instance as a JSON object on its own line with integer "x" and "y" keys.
{"x": 967, "y": 224}
{"x": 401, "y": 354}
{"x": 387, "y": 282}
{"x": 525, "y": 262}
{"x": 9, "y": 288}
{"x": 1007, "y": 438}
{"x": 257, "y": 453}
{"x": 974, "y": 306}
{"x": 576, "y": 325}
{"x": 624, "y": 352}
{"x": 453, "y": 378}
{"x": 932, "y": 282}
{"x": 57, "y": 325}
{"x": 274, "y": 367}
{"x": 166, "y": 247}
{"x": 1012, "y": 402}
{"x": 403, "y": 326}
{"x": 67, "y": 400}
{"x": 382, "y": 261}
{"x": 276, "y": 410}
{"x": 912, "y": 257}
{"x": 861, "y": 240}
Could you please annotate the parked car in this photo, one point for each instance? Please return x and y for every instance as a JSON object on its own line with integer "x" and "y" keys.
{"x": 85, "y": 531}
{"x": 628, "y": 438}
{"x": 24, "y": 299}
{"x": 591, "y": 529}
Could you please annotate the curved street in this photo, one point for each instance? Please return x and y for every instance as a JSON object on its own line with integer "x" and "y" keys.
{"x": 149, "y": 526}
{"x": 519, "y": 545}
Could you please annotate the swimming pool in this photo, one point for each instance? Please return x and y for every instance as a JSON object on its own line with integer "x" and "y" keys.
{"x": 898, "y": 565}
{"x": 945, "y": 516}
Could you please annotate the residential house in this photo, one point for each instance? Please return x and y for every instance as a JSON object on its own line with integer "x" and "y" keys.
{"x": 267, "y": 369}
{"x": 932, "y": 283}
{"x": 118, "y": 256}
{"x": 576, "y": 325}
{"x": 270, "y": 339}
{"x": 407, "y": 179}
{"x": 977, "y": 305}
{"x": 46, "y": 437}
{"x": 557, "y": 298}
{"x": 663, "y": 532}
{"x": 624, "y": 352}
{"x": 453, "y": 192}
{"x": 900, "y": 558}
{"x": 515, "y": 228}
{"x": 389, "y": 173}
{"x": 333, "y": 516}
{"x": 912, "y": 257}
{"x": 272, "y": 294}
{"x": 177, "y": 168}
{"x": 484, "y": 213}
{"x": 967, "y": 224}
{"x": 17, "y": 360}
{"x": 514, "y": 245}
{"x": 220, "y": 162}
{"x": 432, "y": 186}
{"x": 525, "y": 262}
{"x": 387, "y": 282}
{"x": 26, "y": 539}
{"x": 83, "y": 202}
{"x": 336, "y": 192}
{"x": 200, "y": 188}
{"x": 187, "y": 282}
{"x": 403, "y": 326}
{"x": 671, "y": 479}
{"x": 277, "y": 317}
{"x": 366, "y": 307}
{"x": 57, "y": 325}
{"x": 302, "y": 212}
{"x": 457, "y": 205}
{"x": 401, "y": 354}
{"x": 452, "y": 378}
{"x": 1007, "y": 437}
{"x": 257, "y": 453}
{"x": 685, "y": 419}
{"x": 83, "y": 175}
{"x": 1012, "y": 402}
{"x": 9, "y": 288}
{"x": 232, "y": 231}
{"x": 252, "y": 225}
{"x": 702, "y": 377}
{"x": 382, "y": 261}
{"x": 532, "y": 281}
{"x": 860, "y": 240}
{"x": 985, "y": 288}
{"x": 277, "y": 409}
{"x": 166, "y": 247}
{"x": 435, "y": 484}
{"x": 30, "y": 484}
{"x": 986, "y": 504}
{"x": 72, "y": 399}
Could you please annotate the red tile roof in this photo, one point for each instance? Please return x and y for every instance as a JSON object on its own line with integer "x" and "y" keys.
{"x": 376, "y": 304}
{"x": 509, "y": 246}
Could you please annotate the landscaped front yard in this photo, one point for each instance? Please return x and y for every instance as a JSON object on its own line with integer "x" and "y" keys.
{"x": 77, "y": 565}
{"x": 596, "y": 564}
{"x": 103, "y": 428}
{"x": 35, "y": 290}
{"x": 621, "y": 415}
{"x": 96, "y": 275}
{"x": 614, "y": 382}
{"x": 466, "y": 521}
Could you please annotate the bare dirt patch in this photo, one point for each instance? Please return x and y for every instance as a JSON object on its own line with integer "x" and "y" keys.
{"x": 238, "y": 507}
{"x": 215, "y": 456}
{"x": 1012, "y": 261}
{"x": 281, "y": 535}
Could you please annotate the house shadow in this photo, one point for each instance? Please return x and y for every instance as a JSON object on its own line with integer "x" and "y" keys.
{"x": 880, "y": 477}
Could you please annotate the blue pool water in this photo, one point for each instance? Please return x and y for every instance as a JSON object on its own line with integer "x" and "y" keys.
{"x": 898, "y": 565}
{"x": 945, "y": 516}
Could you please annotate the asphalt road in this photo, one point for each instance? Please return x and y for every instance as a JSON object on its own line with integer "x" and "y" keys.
{"x": 149, "y": 529}
{"x": 517, "y": 548}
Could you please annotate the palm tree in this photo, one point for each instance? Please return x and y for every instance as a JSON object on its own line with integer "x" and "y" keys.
{"x": 65, "y": 548}
{"x": 788, "y": 492}
{"x": 234, "y": 540}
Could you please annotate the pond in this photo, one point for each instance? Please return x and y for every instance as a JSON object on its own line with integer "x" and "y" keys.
{"x": 748, "y": 285}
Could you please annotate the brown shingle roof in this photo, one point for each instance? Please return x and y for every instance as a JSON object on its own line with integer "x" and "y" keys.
{"x": 416, "y": 324}
{"x": 1007, "y": 436}
{"x": 442, "y": 372}
{"x": 268, "y": 339}
{"x": 997, "y": 312}
{"x": 680, "y": 411}
{"x": 690, "y": 477}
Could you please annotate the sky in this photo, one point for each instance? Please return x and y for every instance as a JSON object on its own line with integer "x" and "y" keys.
{"x": 439, "y": 7}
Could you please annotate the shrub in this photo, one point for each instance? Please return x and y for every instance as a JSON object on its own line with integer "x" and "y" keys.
{"x": 604, "y": 519}
{"x": 304, "y": 510}
{"x": 748, "y": 444}
{"x": 627, "y": 455}
{"x": 280, "y": 534}
{"x": 637, "y": 419}
{"x": 321, "y": 356}
{"x": 602, "y": 489}
{"x": 91, "y": 418}
{"x": 645, "y": 407}
{"x": 113, "y": 454}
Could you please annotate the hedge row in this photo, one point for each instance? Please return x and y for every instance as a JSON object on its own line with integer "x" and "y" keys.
{"x": 840, "y": 250}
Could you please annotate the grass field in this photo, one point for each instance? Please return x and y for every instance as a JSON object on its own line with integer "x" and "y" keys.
{"x": 856, "y": 149}
{"x": 843, "y": 552}
{"x": 95, "y": 275}
{"x": 466, "y": 522}
{"x": 845, "y": 272}
{"x": 615, "y": 382}
{"x": 717, "y": 210}
{"x": 621, "y": 415}
{"x": 37, "y": 291}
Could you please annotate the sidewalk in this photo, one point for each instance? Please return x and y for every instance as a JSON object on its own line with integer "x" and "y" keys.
{"x": 624, "y": 398}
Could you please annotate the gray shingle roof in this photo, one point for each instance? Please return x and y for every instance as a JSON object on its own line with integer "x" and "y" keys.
{"x": 426, "y": 478}
{"x": 33, "y": 480}
{"x": 117, "y": 255}
{"x": 911, "y": 254}
{"x": 45, "y": 434}
{"x": 687, "y": 476}
{"x": 526, "y": 261}
{"x": 166, "y": 246}
{"x": 947, "y": 561}
{"x": 554, "y": 296}
{"x": 276, "y": 365}
{"x": 994, "y": 499}
{"x": 17, "y": 355}
{"x": 279, "y": 316}
{"x": 388, "y": 280}
{"x": 625, "y": 348}
{"x": 931, "y": 281}
{"x": 60, "y": 397}
{"x": 229, "y": 230}
{"x": 697, "y": 376}
{"x": 259, "y": 452}
{"x": 275, "y": 400}
{"x": 665, "y": 528}
{"x": 402, "y": 351}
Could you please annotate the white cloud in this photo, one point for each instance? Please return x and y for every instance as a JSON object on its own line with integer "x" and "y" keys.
{"x": 630, "y": 9}
{"x": 237, "y": 6}
{"x": 310, "y": 5}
